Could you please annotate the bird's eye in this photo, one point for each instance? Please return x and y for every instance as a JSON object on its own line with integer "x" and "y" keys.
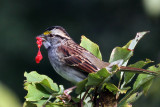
{"x": 50, "y": 35}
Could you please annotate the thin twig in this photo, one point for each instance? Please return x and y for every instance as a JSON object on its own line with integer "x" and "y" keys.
{"x": 84, "y": 96}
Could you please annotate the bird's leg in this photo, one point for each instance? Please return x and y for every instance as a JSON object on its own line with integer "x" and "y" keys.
{"x": 68, "y": 91}
{"x": 66, "y": 97}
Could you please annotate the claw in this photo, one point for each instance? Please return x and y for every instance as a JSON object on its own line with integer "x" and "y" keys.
{"x": 66, "y": 97}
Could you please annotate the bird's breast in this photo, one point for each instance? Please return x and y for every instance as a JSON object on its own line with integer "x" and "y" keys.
{"x": 62, "y": 69}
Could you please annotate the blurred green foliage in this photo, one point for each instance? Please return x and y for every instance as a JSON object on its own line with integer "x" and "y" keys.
{"x": 8, "y": 98}
{"x": 109, "y": 23}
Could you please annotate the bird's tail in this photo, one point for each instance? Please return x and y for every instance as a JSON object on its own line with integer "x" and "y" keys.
{"x": 137, "y": 70}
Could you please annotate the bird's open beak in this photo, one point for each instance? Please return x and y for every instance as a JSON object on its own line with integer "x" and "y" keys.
{"x": 44, "y": 41}
{"x": 42, "y": 36}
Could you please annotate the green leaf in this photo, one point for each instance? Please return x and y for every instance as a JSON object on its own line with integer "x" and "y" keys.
{"x": 75, "y": 99}
{"x": 28, "y": 104}
{"x": 141, "y": 64}
{"x": 147, "y": 86}
{"x": 130, "y": 100}
{"x": 120, "y": 53}
{"x": 87, "y": 102}
{"x": 81, "y": 86}
{"x": 154, "y": 68}
{"x": 36, "y": 93}
{"x": 125, "y": 105}
{"x": 45, "y": 81}
{"x": 40, "y": 89}
{"x": 61, "y": 90}
{"x": 134, "y": 42}
{"x": 134, "y": 97}
{"x": 111, "y": 87}
{"x": 95, "y": 79}
{"x": 141, "y": 80}
{"x": 127, "y": 45}
{"x": 91, "y": 47}
{"x": 126, "y": 51}
{"x": 124, "y": 90}
{"x": 39, "y": 103}
{"x": 56, "y": 105}
{"x": 129, "y": 76}
{"x": 144, "y": 79}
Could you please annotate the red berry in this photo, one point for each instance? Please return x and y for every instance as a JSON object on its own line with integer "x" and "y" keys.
{"x": 39, "y": 55}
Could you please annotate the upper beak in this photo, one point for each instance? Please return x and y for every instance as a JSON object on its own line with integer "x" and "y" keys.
{"x": 42, "y": 36}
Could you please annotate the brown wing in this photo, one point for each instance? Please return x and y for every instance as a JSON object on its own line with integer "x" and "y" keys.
{"x": 74, "y": 55}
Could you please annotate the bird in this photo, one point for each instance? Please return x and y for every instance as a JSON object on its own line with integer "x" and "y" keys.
{"x": 72, "y": 61}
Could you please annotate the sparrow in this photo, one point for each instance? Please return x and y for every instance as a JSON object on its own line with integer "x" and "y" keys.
{"x": 72, "y": 61}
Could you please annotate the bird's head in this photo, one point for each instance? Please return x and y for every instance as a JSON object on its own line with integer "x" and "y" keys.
{"x": 54, "y": 35}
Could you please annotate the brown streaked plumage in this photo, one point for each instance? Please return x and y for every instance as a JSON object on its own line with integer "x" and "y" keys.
{"x": 74, "y": 55}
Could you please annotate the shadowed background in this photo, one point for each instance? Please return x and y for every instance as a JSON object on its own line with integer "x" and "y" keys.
{"x": 108, "y": 23}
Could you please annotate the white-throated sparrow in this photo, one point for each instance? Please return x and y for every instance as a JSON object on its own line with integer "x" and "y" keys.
{"x": 69, "y": 59}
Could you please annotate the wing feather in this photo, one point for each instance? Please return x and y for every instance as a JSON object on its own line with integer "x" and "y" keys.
{"x": 74, "y": 56}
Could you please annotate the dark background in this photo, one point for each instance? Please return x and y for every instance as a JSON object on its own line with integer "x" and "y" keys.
{"x": 108, "y": 23}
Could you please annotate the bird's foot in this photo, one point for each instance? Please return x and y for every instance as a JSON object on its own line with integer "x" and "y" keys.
{"x": 66, "y": 97}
